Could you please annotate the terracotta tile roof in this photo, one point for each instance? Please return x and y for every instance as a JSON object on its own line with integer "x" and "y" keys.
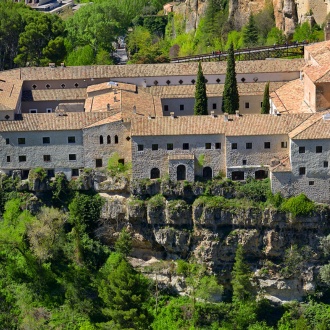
{"x": 113, "y": 117}
{"x": 320, "y": 51}
{"x": 52, "y": 122}
{"x": 283, "y": 166}
{"x": 106, "y": 86}
{"x": 317, "y": 73}
{"x": 212, "y": 90}
{"x": 236, "y": 126}
{"x": 289, "y": 98}
{"x": 316, "y": 127}
{"x": 54, "y": 94}
{"x": 10, "y": 90}
{"x": 153, "y": 70}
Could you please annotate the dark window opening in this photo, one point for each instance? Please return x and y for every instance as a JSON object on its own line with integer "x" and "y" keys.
{"x": 21, "y": 140}
{"x": 121, "y": 161}
{"x": 7, "y": 141}
{"x": 50, "y": 173}
{"x": 185, "y": 146}
{"x": 101, "y": 139}
{"x": 181, "y": 173}
{"x": 108, "y": 139}
{"x": 267, "y": 145}
{"x": 116, "y": 139}
{"x": 140, "y": 147}
{"x": 218, "y": 80}
{"x": 207, "y": 173}
{"x": 76, "y": 85}
{"x": 46, "y": 158}
{"x": 128, "y": 138}
{"x": 169, "y": 146}
{"x": 301, "y": 150}
{"x": 8, "y": 159}
{"x": 154, "y": 147}
{"x": 75, "y": 172}
{"x": 244, "y": 161}
{"x": 193, "y": 81}
{"x": 311, "y": 183}
{"x": 214, "y": 106}
{"x": 234, "y": 145}
{"x": 302, "y": 170}
{"x": 154, "y": 173}
{"x": 63, "y": 85}
{"x": 284, "y": 144}
{"x": 207, "y": 145}
{"x": 180, "y": 81}
{"x": 25, "y": 174}
{"x": 260, "y": 174}
{"x": 22, "y": 159}
{"x": 72, "y": 157}
{"x": 47, "y": 86}
{"x": 98, "y": 162}
{"x": 237, "y": 175}
{"x": 168, "y": 82}
{"x": 248, "y": 145}
{"x": 181, "y": 107}
{"x": 318, "y": 149}
{"x": 325, "y": 164}
{"x": 165, "y": 107}
{"x": 217, "y": 145}
{"x": 247, "y": 105}
{"x": 71, "y": 139}
{"x": 46, "y": 140}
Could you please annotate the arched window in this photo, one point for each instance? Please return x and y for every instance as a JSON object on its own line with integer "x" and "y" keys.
{"x": 108, "y": 139}
{"x": 181, "y": 173}
{"x": 261, "y": 174}
{"x": 155, "y": 173}
{"x": 207, "y": 173}
{"x": 116, "y": 139}
{"x": 101, "y": 139}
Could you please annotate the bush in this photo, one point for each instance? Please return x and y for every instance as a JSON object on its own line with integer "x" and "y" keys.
{"x": 298, "y": 205}
{"x": 157, "y": 201}
{"x": 116, "y": 166}
{"x": 255, "y": 190}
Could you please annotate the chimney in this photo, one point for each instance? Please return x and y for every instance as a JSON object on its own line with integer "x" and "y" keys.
{"x": 134, "y": 109}
{"x": 51, "y": 65}
{"x": 212, "y": 114}
{"x": 172, "y": 114}
{"x": 225, "y": 116}
{"x": 237, "y": 113}
{"x": 62, "y": 64}
{"x": 108, "y": 106}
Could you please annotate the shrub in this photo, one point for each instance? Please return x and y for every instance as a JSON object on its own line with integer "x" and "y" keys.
{"x": 157, "y": 201}
{"x": 255, "y": 190}
{"x": 115, "y": 166}
{"x": 298, "y": 205}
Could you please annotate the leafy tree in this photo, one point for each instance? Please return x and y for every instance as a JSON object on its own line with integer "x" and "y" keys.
{"x": 275, "y": 36}
{"x": 242, "y": 288}
{"x": 124, "y": 293}
{"x": 265, "y": 20}
{"x": 230, "y": 98}
{"x": 250, "y": 33}
{"x": 81, "y": 56}
{"x": 265, "y": 102}
{"x": 234, "y": 38}
{"x": 123, "y": 244}
{"x": 298, "y": 205}
{"x": 305, "y": 32}
{"x": 200, "y": 107}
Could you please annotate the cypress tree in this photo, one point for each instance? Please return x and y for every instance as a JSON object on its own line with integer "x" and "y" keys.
{"x": 200, "y": 107}
{"x": 250, "y": 33}
{"x": 230, "y": 98}
{"x": 265, "y": 102}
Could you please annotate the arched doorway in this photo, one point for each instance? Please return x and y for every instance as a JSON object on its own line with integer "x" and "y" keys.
{"x": 207, "y": 173}
{"x": 181, "y": 173}
{"x": 101, "y": 139}
{"x": 116, "y": 139}
{"x": 260, "y": 174}
{"x": 155, "y": 173}
{"x": 237, "y": 176}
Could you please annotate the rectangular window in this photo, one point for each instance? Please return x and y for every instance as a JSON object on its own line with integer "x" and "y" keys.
{"x": 302, "y": 170}
{"x": 121, "y": 161}
{"x": 33, "y": 110}
{"x": 301, "y": 150}
{"x": 311, "y": 183}
{"x": 21, "y": 140}
{"x": 318, "y": 149}
{"x": 140, "y": 147}
{"x": 46, "y": 158}
{"x": 260, "y": 104}
{"x": 214, "y": 106}
{"x": 46, "y": 140}
{"x": 267, "y": 145}
{"x": 7, "y": 140}
{"x": 98, "y": 162}
{"x": 181, "y": 107}
{"x": 75, "y": 172}
{"x": 154, "y": 147}
{"x": 207, "y": 145}
{"x": 244, "y": 162}
{"x": 185, "y": 146}
{"x": 234, "y": 145}
{"x": 71, "y": 139}
{"x": 325, "y": 164}
{"x": 248, "y": 145}
{"x": 284, "y": 144}
{"x": 50, "y": 173}
{"x": 247, "y": 105}
{"x": 169, "y": 146}
{"x": 72, "y": 157}
{"x": 8, "y": 159}
{"x": 22, "y": 159}
{"x": 165, "y": 107}
{"x": 217, "y": 145}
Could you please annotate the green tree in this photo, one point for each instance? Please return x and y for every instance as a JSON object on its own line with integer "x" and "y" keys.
{"x": 305, "y": 32}
{"x": 275, "y": 36}
{"x": 265, "y": 102}
{"x": 242, "y": 288}
{"x": 123, "y": 244}
{"x": 250, "y": 33}
{"x": 124, "y": 293}
{"x": 200, "y": 107}
{"x": 230, "y": 98}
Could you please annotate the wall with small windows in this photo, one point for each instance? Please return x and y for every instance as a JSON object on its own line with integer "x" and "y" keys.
{"x": 46, "y": 106}
{"x": 168, "y": 152}
{"x": 55, "y": 150}
{"x": 103, "y": 140}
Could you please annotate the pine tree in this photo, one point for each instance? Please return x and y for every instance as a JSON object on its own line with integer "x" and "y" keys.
{"x": 242, "y": 288}
{"x": 250, "y": 33}
{"x": 265, "y": 102}
{"x": 200, "y": 107}
{"x": 230, "y": 99}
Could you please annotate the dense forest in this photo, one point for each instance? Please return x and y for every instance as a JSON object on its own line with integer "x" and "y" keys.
{"x": 32, "y": 38}
{"x": 59, "y": 272}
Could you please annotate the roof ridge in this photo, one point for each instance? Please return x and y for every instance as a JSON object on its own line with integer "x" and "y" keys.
{"x": 317, "y": 117}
